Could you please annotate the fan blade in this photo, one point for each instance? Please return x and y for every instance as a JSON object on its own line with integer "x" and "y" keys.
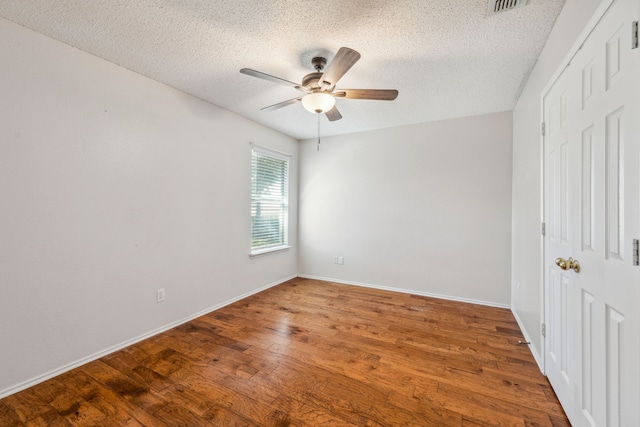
{"x": 341, "y": 63}
{"x": 333, "y": 114}
{"x": 270, "y": 78}
{"x": 281, "y": 104}
{"x": 375, "y": 94}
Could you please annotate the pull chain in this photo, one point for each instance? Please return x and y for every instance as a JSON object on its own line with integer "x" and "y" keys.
{"x": 318, "y": 132}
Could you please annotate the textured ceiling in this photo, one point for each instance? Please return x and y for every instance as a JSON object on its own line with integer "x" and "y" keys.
{"x": 447, "y": 58}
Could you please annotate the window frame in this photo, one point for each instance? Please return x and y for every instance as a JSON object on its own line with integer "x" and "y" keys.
{"x": 285, "y": 202}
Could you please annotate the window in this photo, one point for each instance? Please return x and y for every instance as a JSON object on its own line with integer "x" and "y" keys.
{"x": 269, "y": 200}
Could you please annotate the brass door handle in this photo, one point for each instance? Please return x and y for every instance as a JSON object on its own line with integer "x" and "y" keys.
{"x": 568, "y": 264}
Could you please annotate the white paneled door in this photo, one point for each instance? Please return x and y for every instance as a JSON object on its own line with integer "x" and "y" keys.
{"x": 592, "y": 193}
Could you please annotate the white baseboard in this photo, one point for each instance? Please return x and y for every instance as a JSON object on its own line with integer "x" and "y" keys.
{"x": 41, "y": 378}
{"x": 527, "y": 337}
{"x": 407, "y": 291}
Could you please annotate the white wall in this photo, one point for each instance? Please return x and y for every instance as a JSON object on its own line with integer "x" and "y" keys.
{"x": 425, "y": 208}
{"x": 526, "y": 278}
{"x": 112, "y": 186}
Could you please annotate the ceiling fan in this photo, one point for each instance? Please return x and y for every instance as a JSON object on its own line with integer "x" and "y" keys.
{"x": 320, "y": 86}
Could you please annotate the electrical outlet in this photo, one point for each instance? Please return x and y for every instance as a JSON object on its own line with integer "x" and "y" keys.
{"x": 341, "y": 260}
{"x": 335, "y": 259}
{"x": 160, "y": 295}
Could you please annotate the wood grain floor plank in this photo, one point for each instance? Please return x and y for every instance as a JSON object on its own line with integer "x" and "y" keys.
{"x": 429, "y": 412}
{"x": 126, "y": 395}
{"x": 496, "y": 405}
{"x": 220, "y": 416}
{"x": 225, "y": 397}
{"x": 238, "y": 383}
{"x": 49, "y": 419}
{"x": 9, "y": 415}
{"x": 27, "y": 405}
{"x": 313, "y": 414}
{"x": 310, "y": 353}
{"x": 484, "y": 415}
{"x": 174, "y": 414}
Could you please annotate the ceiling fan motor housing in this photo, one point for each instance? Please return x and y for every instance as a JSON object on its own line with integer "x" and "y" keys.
{"x": 310, "y": 81}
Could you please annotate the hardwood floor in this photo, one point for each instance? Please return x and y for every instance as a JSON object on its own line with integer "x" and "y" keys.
{"x": 309, "y": 353}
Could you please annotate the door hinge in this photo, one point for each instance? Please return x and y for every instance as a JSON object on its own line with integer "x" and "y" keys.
{"x": 636, "y": 252}
{"x": 634, "y": 35}
{"x": 543, "y": 329}
{"x": 543, "y": 128}
{"x": 543, "y": 228}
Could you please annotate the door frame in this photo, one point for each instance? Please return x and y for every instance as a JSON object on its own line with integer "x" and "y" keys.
{"x": 593, "y": 22}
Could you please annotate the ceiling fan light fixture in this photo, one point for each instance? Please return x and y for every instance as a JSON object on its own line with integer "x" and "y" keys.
{"x": 318, "y": 102}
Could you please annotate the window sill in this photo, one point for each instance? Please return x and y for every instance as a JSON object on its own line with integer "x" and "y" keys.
{"x": 259, "y": 252}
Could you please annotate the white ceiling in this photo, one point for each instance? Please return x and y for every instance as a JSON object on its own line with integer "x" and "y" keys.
{"x": 447, "y": 58}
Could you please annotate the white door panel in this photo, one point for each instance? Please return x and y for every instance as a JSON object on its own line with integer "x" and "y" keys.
{"x": 591, "y": 156}
{"x": 559, "y": 284}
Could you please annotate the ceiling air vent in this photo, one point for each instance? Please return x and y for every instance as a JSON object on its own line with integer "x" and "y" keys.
{"x": 497, "y": 6}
